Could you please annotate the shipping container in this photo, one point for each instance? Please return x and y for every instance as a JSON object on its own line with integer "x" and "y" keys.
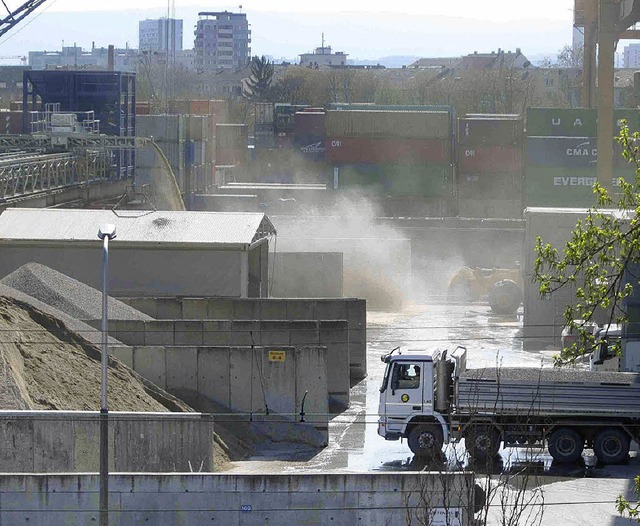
{"x": 311, "y": 147}
{"x": 491, "y": 159}
{"x": 377, "y": 150}
{"x": 231, "y": 136}
{"x": 307, "y": 123}
{"x": 562, "y": 187}
{"x": 407, "y": 124}
{"x": 562, "y": 152}
{"x": 263, "y": 113}
{"x": 490, "y": 185}
{"x": 490, "y": 132}
{"x": 283, "y": 116}
{"x": 490, "y": 208}
{"x": 231, "y": 156}
{"x": 143, "y": 108}
{"x": 10, "y": 122}
{"x": 264, "y": 140}
{"x": 284, "y": 141}
{"x": 163, "y": 128}
{"x": 568, "y": 152}
{"x": 397, "y": 180}
{"x": 575, "y": 122}
{"x": 366, "y": 106}
{"x": 197, "y": 127}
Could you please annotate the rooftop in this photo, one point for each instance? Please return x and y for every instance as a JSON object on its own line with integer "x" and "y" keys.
{"x": 228, "y": 229}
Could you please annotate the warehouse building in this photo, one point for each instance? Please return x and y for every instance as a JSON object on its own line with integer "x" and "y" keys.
{"x": 154, "y": 254}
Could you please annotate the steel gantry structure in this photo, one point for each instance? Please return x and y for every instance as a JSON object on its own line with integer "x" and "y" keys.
{"x": 605, "y": 22}
{"x": 15, "y": 16}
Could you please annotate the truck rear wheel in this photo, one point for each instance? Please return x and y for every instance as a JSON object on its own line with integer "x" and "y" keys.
{"x": 565, "y": 445}
{"x": 611, "y": 445}
{"x": 505, "y": 297}
{"x": 425, "y": 440}
{"x": 482, "y": 442}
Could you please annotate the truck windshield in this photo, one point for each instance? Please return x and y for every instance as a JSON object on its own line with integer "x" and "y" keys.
{"x": 385, "y": 380}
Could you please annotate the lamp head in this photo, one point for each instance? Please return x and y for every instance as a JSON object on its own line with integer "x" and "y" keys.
{"x": 107, "y": 231}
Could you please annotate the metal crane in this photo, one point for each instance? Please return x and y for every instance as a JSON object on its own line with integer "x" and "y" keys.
{"x": 18, "y": 14}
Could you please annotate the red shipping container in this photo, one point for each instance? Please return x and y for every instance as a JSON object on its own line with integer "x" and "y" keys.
{"x": 489, "y": 159}
{"x": 374, "y": 150}
{"x": 143, "y": 108}
{"x": 199, "y": 107}
{"x": 309, "y": 123}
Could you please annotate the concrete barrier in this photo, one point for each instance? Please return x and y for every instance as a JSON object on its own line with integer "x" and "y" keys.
{"x": 191, "y": 308}
{"x": 68, "y": 441}
{"x": 374, "y": 499}
{"x": 262, "y": 383}
{"x": 334, "y": 335}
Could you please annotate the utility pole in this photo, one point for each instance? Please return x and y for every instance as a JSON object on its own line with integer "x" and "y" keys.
{"x": 607, "y": 40}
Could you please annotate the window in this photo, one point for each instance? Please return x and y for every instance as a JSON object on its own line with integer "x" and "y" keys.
{"x": 408, "y": 376}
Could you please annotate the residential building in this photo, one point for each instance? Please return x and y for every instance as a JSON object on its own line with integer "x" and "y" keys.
{"x": 477, "y": 61}
{"x": 125, "y": 59}
{"x": 632, "y": 56}
{"x": 162, "y": 34}
{"x": 222, "y": 41}
{"x": 323, "y": 57}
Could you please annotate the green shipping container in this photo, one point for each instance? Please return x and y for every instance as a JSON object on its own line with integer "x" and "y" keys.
{"x": 574, "y": 122}
{"x": 563, "y": 187}
{"x": 397, "y": 180}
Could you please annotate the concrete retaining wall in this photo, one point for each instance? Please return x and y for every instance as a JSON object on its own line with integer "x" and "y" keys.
{"x": 242, "y": 379}
{"x": 68, "y": 441}
{"x": 350, "y": 309}
{"x": 376, "y": 499}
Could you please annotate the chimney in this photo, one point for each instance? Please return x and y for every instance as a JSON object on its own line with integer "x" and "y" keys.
{"x": 111, "y": 58}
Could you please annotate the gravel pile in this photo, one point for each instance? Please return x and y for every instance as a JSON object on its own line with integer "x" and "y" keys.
{"x": 66, "y": 294}
{"x": 547, "y": 374}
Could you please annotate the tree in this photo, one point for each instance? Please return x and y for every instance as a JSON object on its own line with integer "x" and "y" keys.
{"x": 258, "y": 84}
{"x": 571, "y": 57}
{"x": 599, "y": 259}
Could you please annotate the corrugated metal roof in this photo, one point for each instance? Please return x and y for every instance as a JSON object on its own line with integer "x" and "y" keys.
{"x": 195, "y": 228}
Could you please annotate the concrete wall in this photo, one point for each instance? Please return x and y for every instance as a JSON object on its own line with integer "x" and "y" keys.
{"x": 138, "y": 271}
{"x": 199, "y": 308}
{"x": 68, "y": 441}
{"x": 306, "y": 275}
{"x": 375, "y": 499}
{"x": 193, "y": 334}
{"x": 243, "y": 379}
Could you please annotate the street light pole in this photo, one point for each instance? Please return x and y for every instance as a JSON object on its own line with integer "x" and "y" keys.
{"x": 106, "y": 232}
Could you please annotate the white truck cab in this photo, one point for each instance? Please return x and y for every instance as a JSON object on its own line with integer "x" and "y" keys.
{"x": 411, "y": 404}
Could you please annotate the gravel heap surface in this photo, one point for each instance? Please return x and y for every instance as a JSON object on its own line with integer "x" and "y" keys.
{"x": 548, "y": 374}
{"x": 66, "y": 294}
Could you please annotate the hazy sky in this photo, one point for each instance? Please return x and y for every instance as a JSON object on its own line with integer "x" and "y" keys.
{"x": 285, "y": 28}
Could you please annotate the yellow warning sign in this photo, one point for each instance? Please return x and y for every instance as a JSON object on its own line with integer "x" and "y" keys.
{"x": 277, "y": 356}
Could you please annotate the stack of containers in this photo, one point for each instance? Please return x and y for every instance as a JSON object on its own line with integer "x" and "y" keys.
{"x": 168, "y": 131}
{"x": 283, "y": 123}
{"x": 198, "y": 138}
{"x": 309, "y": 140}
{"x": 263, "y": 129}
{"x": 561, "y": 155}
{"x": 490, "y": 166}
{"x": 231, "y": 142}
{"x": 393, "y": 153}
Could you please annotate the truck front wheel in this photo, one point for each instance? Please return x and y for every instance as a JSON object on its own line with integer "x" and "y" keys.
{"x": 565, "y": 445}
{"x": 611, "y": 446}
{"x": 425, "y": 440}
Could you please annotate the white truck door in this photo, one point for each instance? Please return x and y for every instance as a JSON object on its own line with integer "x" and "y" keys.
{"x": 405, "y": 392}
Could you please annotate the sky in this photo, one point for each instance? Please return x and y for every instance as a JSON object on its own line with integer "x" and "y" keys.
{"x": 285, "y": 28}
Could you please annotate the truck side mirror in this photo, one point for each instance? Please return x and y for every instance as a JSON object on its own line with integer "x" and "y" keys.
{"x": 601, "y": 353}
{"x": 394, "y": 379}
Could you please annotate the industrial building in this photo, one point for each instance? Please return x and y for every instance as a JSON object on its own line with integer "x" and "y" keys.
{"x": 323, "y": 56}
{"x": 125, "y": 59}
{"x": 222, "y": 41}
{"x": 160, "y": 34}
{"x": 157, "y": 253}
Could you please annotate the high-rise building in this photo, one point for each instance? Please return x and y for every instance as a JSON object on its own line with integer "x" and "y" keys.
{"x": 632, "y": 56}
{"x": 222, "y": 41}
{"x": 162, "y": 34}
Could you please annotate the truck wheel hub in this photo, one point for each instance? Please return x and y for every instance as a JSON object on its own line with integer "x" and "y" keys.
{"x": 426, "y": 440}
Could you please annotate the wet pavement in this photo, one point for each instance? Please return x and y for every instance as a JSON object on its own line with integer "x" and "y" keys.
{"x": 354, "y": 445}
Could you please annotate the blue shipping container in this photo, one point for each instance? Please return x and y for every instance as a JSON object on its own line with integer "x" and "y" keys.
{"x": 565, "y": 152}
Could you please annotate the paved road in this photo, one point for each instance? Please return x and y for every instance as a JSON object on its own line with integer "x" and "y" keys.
{"x": 588, "y": 492}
